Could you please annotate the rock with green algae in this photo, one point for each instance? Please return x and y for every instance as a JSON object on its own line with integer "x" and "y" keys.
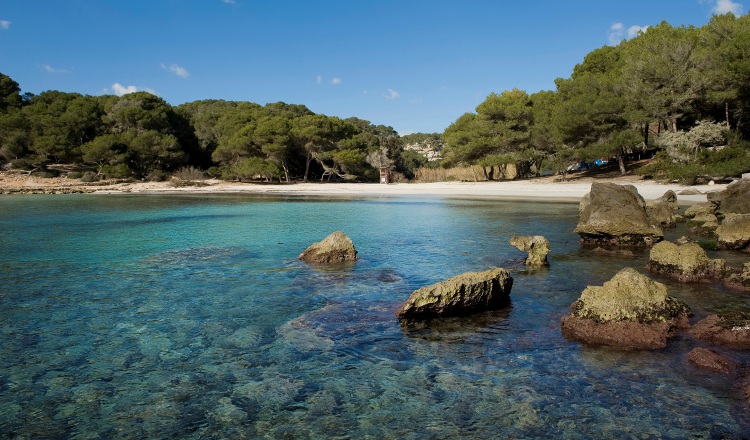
{"x": 734, "y": 199}
{"x": 734, "y": 232}
{"x": 687, "y": 262}
{"x": 629, "y": 311}
{"x": 537, "y": 247}
{"x": 335, "y": 248}
{"x": 462, "y": 294}
{"x": 612, "y": 214}
{"x": 697, "y": 209}
{"x": 740, "y": 279}
{"x": 730, "y": 329}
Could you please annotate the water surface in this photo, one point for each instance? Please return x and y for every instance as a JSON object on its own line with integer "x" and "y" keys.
{"x": 190, "y": 316}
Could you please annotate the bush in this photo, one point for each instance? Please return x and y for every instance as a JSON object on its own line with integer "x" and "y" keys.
{"x": 188, "y": 174}
{"x": 75, "y": 175}
{"x": 89, "y": 177}
{"x": 157, "y": 176}
{"x": 724, "y": 163}
{"x": 119, "y": 171}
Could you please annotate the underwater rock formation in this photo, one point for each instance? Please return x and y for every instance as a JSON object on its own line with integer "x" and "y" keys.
{"x": 537, "y": 246}
{"x": 629, "y": 311}
{"x": 335, "y": 248}
{"x": 459, "y": 295}
{"x": 730, "y": 329}
{"x": 614, "y": 214}
{"x": 706, "y": 359}
{"x": 686, "y": 263}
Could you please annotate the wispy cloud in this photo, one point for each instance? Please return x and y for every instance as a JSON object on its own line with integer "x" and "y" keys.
{"x": 177, "y": 70}
{"x": 617, "y": 33}
{"x": 230, "y": 2}
{"x": 4, "y": 24}
{"x": 392, "y": 94}
{"x": 724, "y": 7}
{"x": 319, "y": 80}
{"x": 416, "y": 101}
{"x": 49, "y": 69}
{"x": 336, "y": 81}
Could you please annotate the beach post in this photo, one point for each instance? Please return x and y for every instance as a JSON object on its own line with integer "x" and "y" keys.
{"x": 385, "y": 175}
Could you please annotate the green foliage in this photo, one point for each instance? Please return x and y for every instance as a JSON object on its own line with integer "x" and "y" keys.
{"x": 250, "y": 168}
{"x": 684, "y": 146}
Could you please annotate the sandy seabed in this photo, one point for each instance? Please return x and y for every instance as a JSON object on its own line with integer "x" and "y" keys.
{"x": 532, "y": 189}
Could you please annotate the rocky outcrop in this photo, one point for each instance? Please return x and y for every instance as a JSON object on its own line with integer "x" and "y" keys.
{"x": 734, "y": 231}
{"x": 629, "y": 311}
{"x": 706, "y": 359}
{"x": 735, "y": 199}
{"x": 730, "y": 329}
{"x": 687, "y": 262}
{"x": 335, "y": 248}
{"x": 662, "y": 210}
{"x": 537, "y": 247}
{"x": 614, "y": 214}
{"x": 459, "y": 295}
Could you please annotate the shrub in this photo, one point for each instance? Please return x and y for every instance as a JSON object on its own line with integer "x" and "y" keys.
{"x": 89, "y": 177}
{"x": 157, "y": 176}
{"x": 75, "y": 175}
{"x": 188, "y": 174}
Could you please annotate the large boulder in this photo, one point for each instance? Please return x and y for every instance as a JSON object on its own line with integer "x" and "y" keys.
{"x": 537, "y": 246}
{"x": 614, "y": 214}
{"x": 700, "y": 208}
{"x": 335, "y": 248}
{"x": 687, "y": 262}
{"x": 459, "y": 295}
{"x": 730, "y": 329}
{"x": 735, "y": 199}
{"x": 662, "y": 210}
{"x": 629, "y": 311}
{"x": 734, "y": 232}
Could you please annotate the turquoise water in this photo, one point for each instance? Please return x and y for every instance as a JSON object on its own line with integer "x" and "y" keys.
{"x": 191, "y": 317}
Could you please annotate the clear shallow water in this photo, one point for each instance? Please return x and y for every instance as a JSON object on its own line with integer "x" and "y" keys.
{"x": 191, "y": 317}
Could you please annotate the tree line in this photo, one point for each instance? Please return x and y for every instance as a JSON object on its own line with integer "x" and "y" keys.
{"x": 141, "y": 135}
{"x": 682, "y": 90}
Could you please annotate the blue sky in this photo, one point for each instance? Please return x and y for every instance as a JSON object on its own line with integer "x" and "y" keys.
{"x": 414, "y": 65}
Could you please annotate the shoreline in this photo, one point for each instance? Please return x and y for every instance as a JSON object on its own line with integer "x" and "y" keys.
{"x": 539, "y": 189}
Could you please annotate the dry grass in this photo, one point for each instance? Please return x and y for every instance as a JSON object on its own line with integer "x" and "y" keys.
{"x": 460, "y": 174}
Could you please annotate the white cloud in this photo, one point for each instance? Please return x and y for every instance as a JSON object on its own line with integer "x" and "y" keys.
{"x": 4, "y": 24}
{"x": 177, "y": 70}
{"x": 336, "y": 81}
{"x": 230, "y": 2}
{"x": 319, "y": 80}
{"x": 415, "y": 101}
{"x": 49, "y": 69}
{"x": 634, "y": 30}
{"x": 725, "y": 7}
{"x": 617, "y": 33}
{"x": 392, "y": 94}
{"x": 406, "y": 133}
{"x": 122, "y": 90}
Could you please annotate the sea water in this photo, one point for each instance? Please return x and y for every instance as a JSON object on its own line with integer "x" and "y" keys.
{"x": 132, "y": 316}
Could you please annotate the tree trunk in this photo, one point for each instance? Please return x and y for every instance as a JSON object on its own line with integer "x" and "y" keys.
{"x": 621, "y": 162}
{"x": 307, "y": 166}
{"x": 286, "y": 171}
{"x": 726, "y": 112}
{"x": 674, "y": 124}
{"x": 645, "y": 136}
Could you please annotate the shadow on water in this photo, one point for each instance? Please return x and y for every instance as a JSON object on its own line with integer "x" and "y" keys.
{"x": 458, "y": 328}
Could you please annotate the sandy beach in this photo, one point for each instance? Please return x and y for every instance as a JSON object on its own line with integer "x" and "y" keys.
{"x": 536, "y": 189}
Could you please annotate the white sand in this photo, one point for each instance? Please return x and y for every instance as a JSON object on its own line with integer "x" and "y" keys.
{"x": 537, "y": 189}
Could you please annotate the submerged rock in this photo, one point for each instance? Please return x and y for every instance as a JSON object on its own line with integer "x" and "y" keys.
{"x": 710, "y": 360}
{"x": 537, "y": 246}
{"x": 740, "y": 279}
{"x": 735, "y": 199}
{"x": 687, "y": 262}
{"x": 734, "y": 232}
{"x": 731, "y": 329}
{"x": 335, "y": 248}
{"x": 629, "y": 311}
{"x": 459, "y": 295}
{"x": 614, "y": 214}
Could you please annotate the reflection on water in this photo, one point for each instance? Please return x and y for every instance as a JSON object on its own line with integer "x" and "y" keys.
{"x": 191, "y": 317}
